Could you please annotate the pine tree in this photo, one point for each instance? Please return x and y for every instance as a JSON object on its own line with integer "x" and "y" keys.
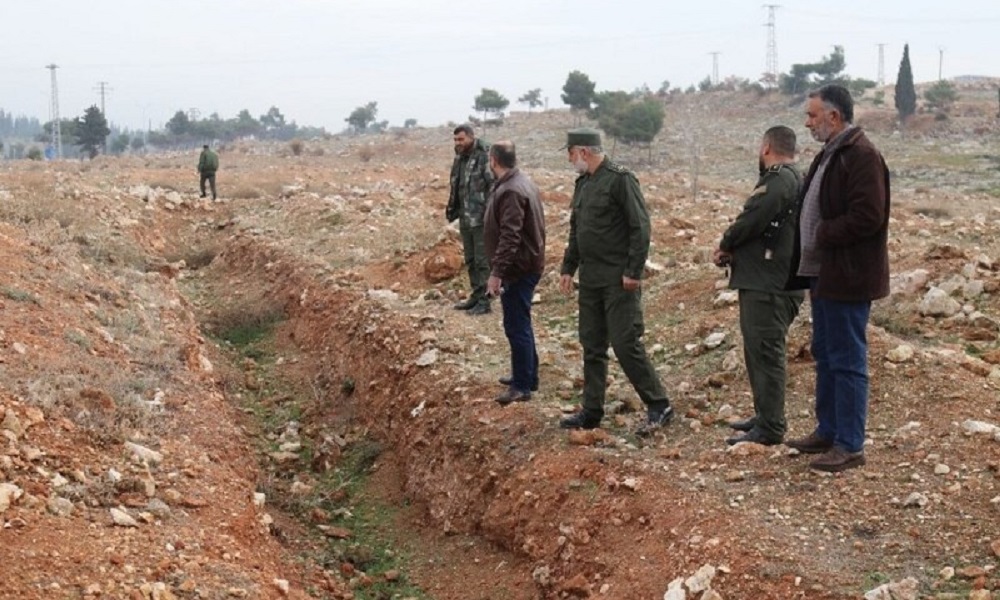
{"x": 906, "y": 94}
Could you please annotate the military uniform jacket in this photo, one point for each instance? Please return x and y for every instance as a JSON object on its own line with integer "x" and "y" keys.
{"x": 471, "y": 181}
{"x": 208, "y": 162}
{"x": 608, "y": 227}
{"x": 748, "y": 239}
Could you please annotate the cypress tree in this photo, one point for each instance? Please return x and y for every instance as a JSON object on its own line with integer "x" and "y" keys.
{"x": 906, "y": 94}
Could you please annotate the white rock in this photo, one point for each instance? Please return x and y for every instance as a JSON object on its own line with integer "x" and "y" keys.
{"x": 282, "y": 585}
{"x": 428, "y": 358}
{"x": 383, "y": 295}
{"x": 900, "y": 353}
{"x": 916, "y": 499}
{"x": 60, "y": 506}
{"x": 947, "y": 573}
{"x": 941, "y": 469}
{"x": 979, "y": 427}
{"x": 937, "y": 303}
{"x": 259, "y": 499}
{"x": 972, "y": 289}
{"x": 675, "y": 590}
{"x": 714, "y": 340}
{"x": 910, "y": 283}
{"x": 122, "y": 518}
{"x": 906, "y": 589}
{"x": 726, "y": 298}
{"x": 144, "y": 454}
{"x": 701, "y": 580}
{"x": 8, "y": 494}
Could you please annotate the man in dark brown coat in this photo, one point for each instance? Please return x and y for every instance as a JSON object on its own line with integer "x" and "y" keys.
{"x": 514, "y": 238}
{"x": 844, "y": 262}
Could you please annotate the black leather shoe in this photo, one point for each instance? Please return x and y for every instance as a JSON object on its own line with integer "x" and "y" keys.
{"x": 755, "y": 436}
{"x": 467, "y": 304}
{"x": 745, "y": 424}
{"x": 655, "y": 419}
{"x": 508, "y": 381}
{"x": 581, "y": 420}
{"x": 512, "y": 395}
{"x": 482, "y": 308}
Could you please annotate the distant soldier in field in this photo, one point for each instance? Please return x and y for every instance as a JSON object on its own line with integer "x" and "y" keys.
{"x": 208, "y": 164}
{"x": 471, "y": 181}
{"x": 609, "y": 243}
{"x": 759, "y": 246}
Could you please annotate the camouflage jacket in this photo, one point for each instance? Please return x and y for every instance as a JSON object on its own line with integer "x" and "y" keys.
{"x": 472, "y": 174}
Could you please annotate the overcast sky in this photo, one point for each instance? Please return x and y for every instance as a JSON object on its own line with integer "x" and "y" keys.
{"x": 316, "y": 60}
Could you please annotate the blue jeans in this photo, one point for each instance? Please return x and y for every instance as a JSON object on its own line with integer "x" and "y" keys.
{"x": 516, "y": 303}
{"x": 840, "y": 349}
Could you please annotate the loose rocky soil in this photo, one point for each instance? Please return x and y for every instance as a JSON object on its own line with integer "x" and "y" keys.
{"x": 270, "y": 396}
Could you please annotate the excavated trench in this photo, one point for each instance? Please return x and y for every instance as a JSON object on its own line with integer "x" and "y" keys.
{"x": 551, "y": 518}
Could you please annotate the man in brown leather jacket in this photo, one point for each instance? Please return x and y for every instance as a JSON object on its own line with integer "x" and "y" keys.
{"x": 514, "y": 238}
{"x": 844, "y": 262}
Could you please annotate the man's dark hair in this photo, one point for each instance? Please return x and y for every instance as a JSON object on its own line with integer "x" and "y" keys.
{"x": 837, "y": 97}
{"x": 466, "y": 129}
{"x": 781, "y": 139}
{"x": 504, "y": 153}
{"x": 205, "y": 146}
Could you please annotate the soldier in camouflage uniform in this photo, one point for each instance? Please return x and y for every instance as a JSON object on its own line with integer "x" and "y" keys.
{"x": 759, "y": 247}
{"x": 471, "y": 181}
{"x": 608, "y": 243}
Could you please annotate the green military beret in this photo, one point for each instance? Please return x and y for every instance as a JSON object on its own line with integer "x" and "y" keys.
{"x": 583, "y": 136}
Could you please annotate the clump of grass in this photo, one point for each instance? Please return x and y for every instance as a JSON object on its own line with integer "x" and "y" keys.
{"x": 296, "y": 147}
{"x": 934, "y": 212}
{"x": 366, "y": 153}
{"x": 18, "y": 295}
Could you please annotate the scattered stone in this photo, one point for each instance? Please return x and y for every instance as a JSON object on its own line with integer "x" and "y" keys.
{"x": 428, "y": 358}
{"x": 906, "y": 589}
{"x": 282, "y": 586}
{"x": 701, "y": 580}
{"x": 122, "y": 518}
{"x": 973, "y": 426}
{"x": 675, "y": 590}
{"x": 995, "y": 547}
{"x": 442, "y": 267}
{"x": 916, "y": 499}
{"x": 726, "y": 298}
{"x": 60, "y": 507}
{"x": 937, "y": 303}
{"x": 900, "y": 354}
{"x": 714, "y": 340}
{"x": 144, "y": 454}
{"x": 947, "y": 573}
{"x": 971, "y": 572}
{"x": 8, "y": 494}
{"x": 587, "y": 437}
{"x": 941, "y": 469}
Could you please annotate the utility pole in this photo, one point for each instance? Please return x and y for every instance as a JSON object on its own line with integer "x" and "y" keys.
{"x": 54, "y": 112}
{"x": 715, "y": 67}
{"x": 881, "y": 65}
{"x": 193, "y": 114}
{"x": 771, "y": 70}
{"x": 103, "y": 88}
{"x": 940, "y": 61}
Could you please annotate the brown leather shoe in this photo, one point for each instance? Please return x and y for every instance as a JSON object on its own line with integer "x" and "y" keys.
{"x": 837, "y": 459}
{"x": 511, "y": 396}
{"x": 811, "y": 444}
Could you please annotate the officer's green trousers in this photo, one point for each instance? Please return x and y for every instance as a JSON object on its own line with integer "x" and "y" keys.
{"x": 764, "y": 322}
{"x": 611, "y": 316}
{"x": 476, "y": 261}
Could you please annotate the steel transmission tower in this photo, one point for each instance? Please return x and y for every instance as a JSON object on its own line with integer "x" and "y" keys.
{"x": 771, "y": 70}
{"x": 103, "y": 88}
{"x": 881, "y": 65}
{"x": 54, "y": 112}
{"x": 715, "y": 67}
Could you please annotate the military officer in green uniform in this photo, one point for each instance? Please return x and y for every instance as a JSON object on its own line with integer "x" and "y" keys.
{"x": 608, "y": 243}
{"x": 758, "y": 246}
{"x": 471, "y": 181}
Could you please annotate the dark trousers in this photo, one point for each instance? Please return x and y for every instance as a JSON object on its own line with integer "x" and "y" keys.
{"x": 476, "y": 261}
{"x": 210, "y": 177}
{"x": 611, "y": 315}
{"x": 764, "y": 322}
{"x": 840, "y": 348}
{"x": 516, "y": 303}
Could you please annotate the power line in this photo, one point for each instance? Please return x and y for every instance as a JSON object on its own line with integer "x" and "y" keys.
{"x": 54, "y": 112}
{"x": 771, "y": 69}
{"x": 940, "y": 61}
